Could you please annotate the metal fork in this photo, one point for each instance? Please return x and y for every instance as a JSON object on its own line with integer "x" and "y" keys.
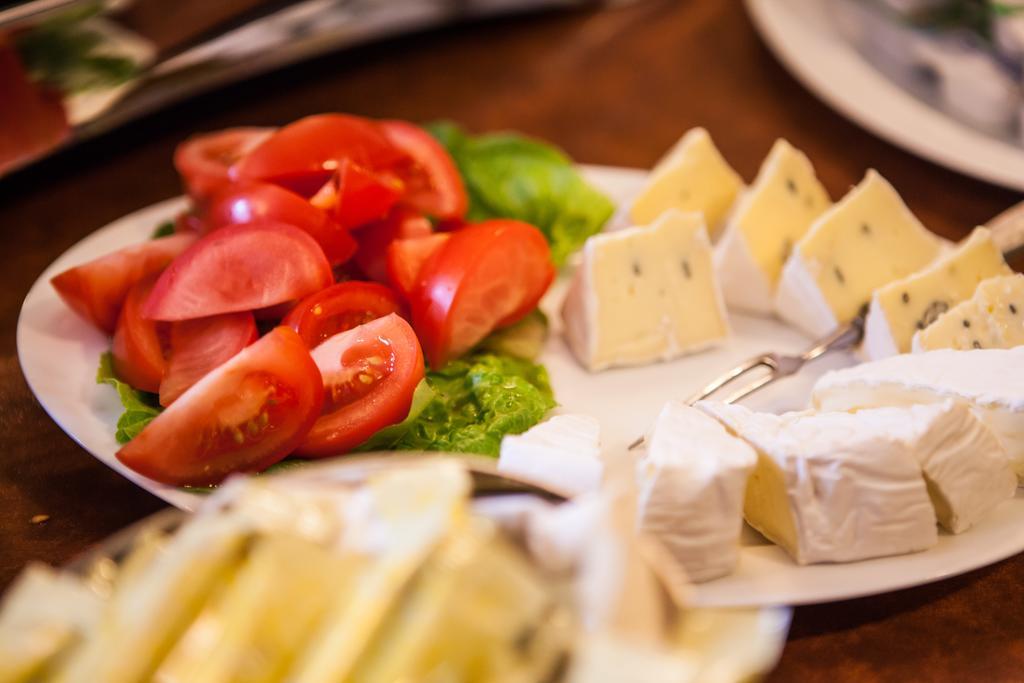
{"x": 778, "y": 365}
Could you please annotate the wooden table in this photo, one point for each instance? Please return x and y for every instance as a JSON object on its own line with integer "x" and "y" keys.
{"x": 614, "y": 86}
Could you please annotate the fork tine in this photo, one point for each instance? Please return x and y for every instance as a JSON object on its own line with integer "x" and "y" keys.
{"x": 730, "y": 377}
{"x": 751, "y": 388}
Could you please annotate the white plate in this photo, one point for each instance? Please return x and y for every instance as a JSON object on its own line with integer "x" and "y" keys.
{"x": 59, "y": 354}
{"x": 803, "y": 36}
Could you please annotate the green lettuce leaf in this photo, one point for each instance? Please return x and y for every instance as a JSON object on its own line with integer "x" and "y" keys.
{"x": 512, "y": 176}
{"x": 469, "y": 405}
{"x": 140, "y": 407}
{"x": 165, "y": 229}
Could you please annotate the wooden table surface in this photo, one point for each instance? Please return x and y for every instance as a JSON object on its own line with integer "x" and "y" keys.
{"x": 613, "y": 86}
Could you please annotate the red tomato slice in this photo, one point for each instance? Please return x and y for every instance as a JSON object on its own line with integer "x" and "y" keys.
{"x": 303, "y": 155}
{"x": 240, "y": 268}
{"x": 32, "y": 119}
{"x": 372, "y": 254}
{"x": 254, "y": 202}
{"x": 407, "y": 257}
{"x": 369, "y": 374}
{"x": 244, "y": 416}
{"x": 198, "y": 346}
{"x": 137, "y": 350}
{"x": 485, "y": 276}
{"x": 97, "y": 289}
{"x": 364, "y": 196}
{"x": 339, "y": 308}
{"x": 203, "y": 160}
{"x": 433, "y": 183}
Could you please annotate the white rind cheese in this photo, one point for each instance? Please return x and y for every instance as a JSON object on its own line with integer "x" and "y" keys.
{"x": 987, "y": 379}
{"x": 692, "y": 176}
{"x": 770, "y": 217}
{"x": 562, "y": 453}
{"x": 832, "y": 487}
{"x": 691, "y": 481}
{"x": 645, "y": 294}
{"x": 992, "y": 319}
{"x": 901, "y": 308}
{"x": 867, "y": 240}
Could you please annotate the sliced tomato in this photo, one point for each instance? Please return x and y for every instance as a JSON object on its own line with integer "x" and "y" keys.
{"x": 195, "y": 347}
{"x": 189, "y": 222}
{"x": 240, "y": 268}
{"x": 303, "y": 155}
{"x": 137, "y": 348}
{"x": 406, "y": 258}
{"x": 255, "y": 202}
{"x": 97, "y": 289}
{"x": 32, "y": 118}
{"x": 339, "y": 308}
{"x": 203, "y": 160}
{"x": 243, "y": 416}
{"x": 485, "y": 276}
{"x": 363, "y": 196}
{"x": 369, "y": 373}
{"x": 372, "y": 253}
{"x": 433, "y": 183}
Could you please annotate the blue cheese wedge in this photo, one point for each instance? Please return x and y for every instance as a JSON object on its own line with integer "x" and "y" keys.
{"x": 645, "y": 294}
{"x": 902, "y": 308}
{"x": 691, "y": 480}
{"x": 562, "y": 454}
{"x": 768, "y": 220}
{"x": 867, "y": 240}
{"x": 988, "y": 380}
{"x": 992, "y": 319}
{"x": 832, "y": 487}
{"x": 692, "y": 176}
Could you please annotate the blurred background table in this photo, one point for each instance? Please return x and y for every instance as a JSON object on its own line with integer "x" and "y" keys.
{"x": 611, "y": 86}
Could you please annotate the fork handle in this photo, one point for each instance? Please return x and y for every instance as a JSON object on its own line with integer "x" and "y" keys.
{"x": 843, "y": 337}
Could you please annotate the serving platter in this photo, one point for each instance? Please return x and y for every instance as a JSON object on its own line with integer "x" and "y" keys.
{"x": 59, "y": 354}
{"x": 804, "y": 36}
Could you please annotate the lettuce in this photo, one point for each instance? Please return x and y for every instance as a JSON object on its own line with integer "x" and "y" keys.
{"x": 511, "y": 176}
{"x": 140, "y": 407}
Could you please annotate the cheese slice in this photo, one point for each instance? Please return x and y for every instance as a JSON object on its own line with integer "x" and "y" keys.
{"x": 692, "y": 176}
{"x": 562, "y": 454}
{"x": 771, "y": 216}
{"x": 832, "y": 487}
{"x": 645, "y": 294}
{"x": 992, "y": 319}
{"x": 988, "y": 380}
{"x": 901, "y": 308}
{"x": 867, "y": 240}
{"x": 691, "y": 481}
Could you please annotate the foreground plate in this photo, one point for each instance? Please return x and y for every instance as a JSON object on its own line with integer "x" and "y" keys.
{"x": 59, "y": 355}
{"x": 804, "y": 37}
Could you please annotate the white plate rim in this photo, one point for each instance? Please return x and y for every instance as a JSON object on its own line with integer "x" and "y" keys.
{"x": 801, "y": 36}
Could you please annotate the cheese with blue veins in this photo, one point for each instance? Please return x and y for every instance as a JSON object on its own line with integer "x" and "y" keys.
{"x": 991, "y": 319}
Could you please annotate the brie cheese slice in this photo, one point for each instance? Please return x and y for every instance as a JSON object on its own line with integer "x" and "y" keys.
{"x": 692, "y": 176}
{"x": 992, "y": 319}
{"x": 691, "y": 481}
{"x": 988, "y": 380}
{"x": 867, "y": 240}
{"x": 645, "y": 294}
{"x": 901, "y": 308}
{"x": 767, "y": 221}
{"x": 832, "y": 487}
{"x": 562, "y": 453}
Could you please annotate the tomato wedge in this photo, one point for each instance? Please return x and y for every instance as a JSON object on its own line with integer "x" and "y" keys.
{"x": 203, "y": 160}
{"x": 255, "y": 202}
{"x": 433, "y": 183}
{"x": 406, "y": 258}
{"x": 32, "y": 118}
{"x": 362, "y": 196}
{"x": 339, "y": 308}
{"x": 97, "y": 289}
{"x": 195, "y": 347}
{"x": 485, "y": 276}
{"x": 137, "y": 349}
{"x": 369, "y": 375}
{"x": 303, "y": 155}
{"x": 244, "y": 416}
{"x": 373, "y": 239}
{"x": 240, "y": 268}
